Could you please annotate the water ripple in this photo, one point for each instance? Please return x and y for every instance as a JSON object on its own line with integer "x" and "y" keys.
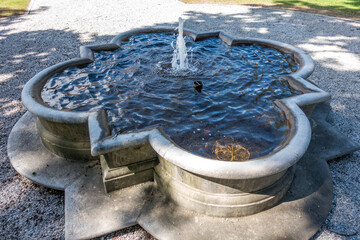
{"x": 139, "y": 89}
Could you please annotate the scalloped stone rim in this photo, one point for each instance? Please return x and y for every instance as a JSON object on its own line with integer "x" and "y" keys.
{"x": 101, "y": 142}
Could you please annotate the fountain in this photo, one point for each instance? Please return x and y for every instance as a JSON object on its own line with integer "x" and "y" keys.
{"x": 210, "y": 170}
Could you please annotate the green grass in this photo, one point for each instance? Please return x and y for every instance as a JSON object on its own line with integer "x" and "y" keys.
{"x": 13, "y": 7}
{"x": 337, "y": 8}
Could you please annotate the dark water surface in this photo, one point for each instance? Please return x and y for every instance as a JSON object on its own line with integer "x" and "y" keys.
{"x": 233, "y": 118}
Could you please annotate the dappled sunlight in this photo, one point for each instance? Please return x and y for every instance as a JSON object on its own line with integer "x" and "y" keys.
{"x": 351, "y": 95}
{"x": 287, "y": 14}
{"x": 263, "y": 30}
{"x": 259, "y": 30}
{"x": 52, "y": 36}
{"x": 340, "y": 61}
{"x": 10, "y": 107}
{"x": 253, "y": 19}
{"x": 331, "y": 52}
{"x": 334, "y": 40}
{"x": 4, "y": 77}
{"x": 17, "y": 59}
{"x": 41, "y": 56}
{"x": 338, "y": 107}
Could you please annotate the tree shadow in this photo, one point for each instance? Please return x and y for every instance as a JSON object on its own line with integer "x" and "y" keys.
{"x": 329, "y": 41}
{"x": 350, "y": 10}
{"x": 353, "y": 4}
{"x": 22, "y": 55}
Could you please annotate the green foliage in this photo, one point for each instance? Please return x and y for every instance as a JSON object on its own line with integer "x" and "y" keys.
{"x": 13, "y": 7}
{"x": 338, "y": 8}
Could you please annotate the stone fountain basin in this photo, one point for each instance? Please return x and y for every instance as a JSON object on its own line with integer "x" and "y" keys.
{"x": 208, "y": 186}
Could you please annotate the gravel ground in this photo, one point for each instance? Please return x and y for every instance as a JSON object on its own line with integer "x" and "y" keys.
{"x": 54, "y": 30}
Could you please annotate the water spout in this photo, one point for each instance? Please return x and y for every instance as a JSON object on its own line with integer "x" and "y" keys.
{"x": 179, "y": 61}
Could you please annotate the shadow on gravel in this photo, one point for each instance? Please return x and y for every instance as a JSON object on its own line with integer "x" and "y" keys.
{"x": 23, "y": 54}
{"x": 27, "y": 210}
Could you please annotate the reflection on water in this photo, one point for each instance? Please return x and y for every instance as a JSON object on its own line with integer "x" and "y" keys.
{"x": 233, "y": 115}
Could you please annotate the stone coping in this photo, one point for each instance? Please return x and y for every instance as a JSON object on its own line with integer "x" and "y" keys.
{"x": 280, "y": 159}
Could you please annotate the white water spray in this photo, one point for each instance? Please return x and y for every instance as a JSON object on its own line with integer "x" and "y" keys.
{"x": 179, "y": 61}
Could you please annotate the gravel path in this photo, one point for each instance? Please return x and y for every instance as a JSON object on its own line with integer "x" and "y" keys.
{"x": 54, "y": 30}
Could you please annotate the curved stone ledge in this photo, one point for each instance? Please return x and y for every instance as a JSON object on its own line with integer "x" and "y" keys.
{"x": 221, "y": 197}
{"x": 141, "y": 146}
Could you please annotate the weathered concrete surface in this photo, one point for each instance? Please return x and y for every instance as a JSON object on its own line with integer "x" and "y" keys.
{"x": 31, "y": 159}
{"x": 90, "y": 212}
{"x": 221, "y": 197}
{"x": 126, "y": 176}
{"x": 327, "y": 143}
{"x": 299, "y": 215}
